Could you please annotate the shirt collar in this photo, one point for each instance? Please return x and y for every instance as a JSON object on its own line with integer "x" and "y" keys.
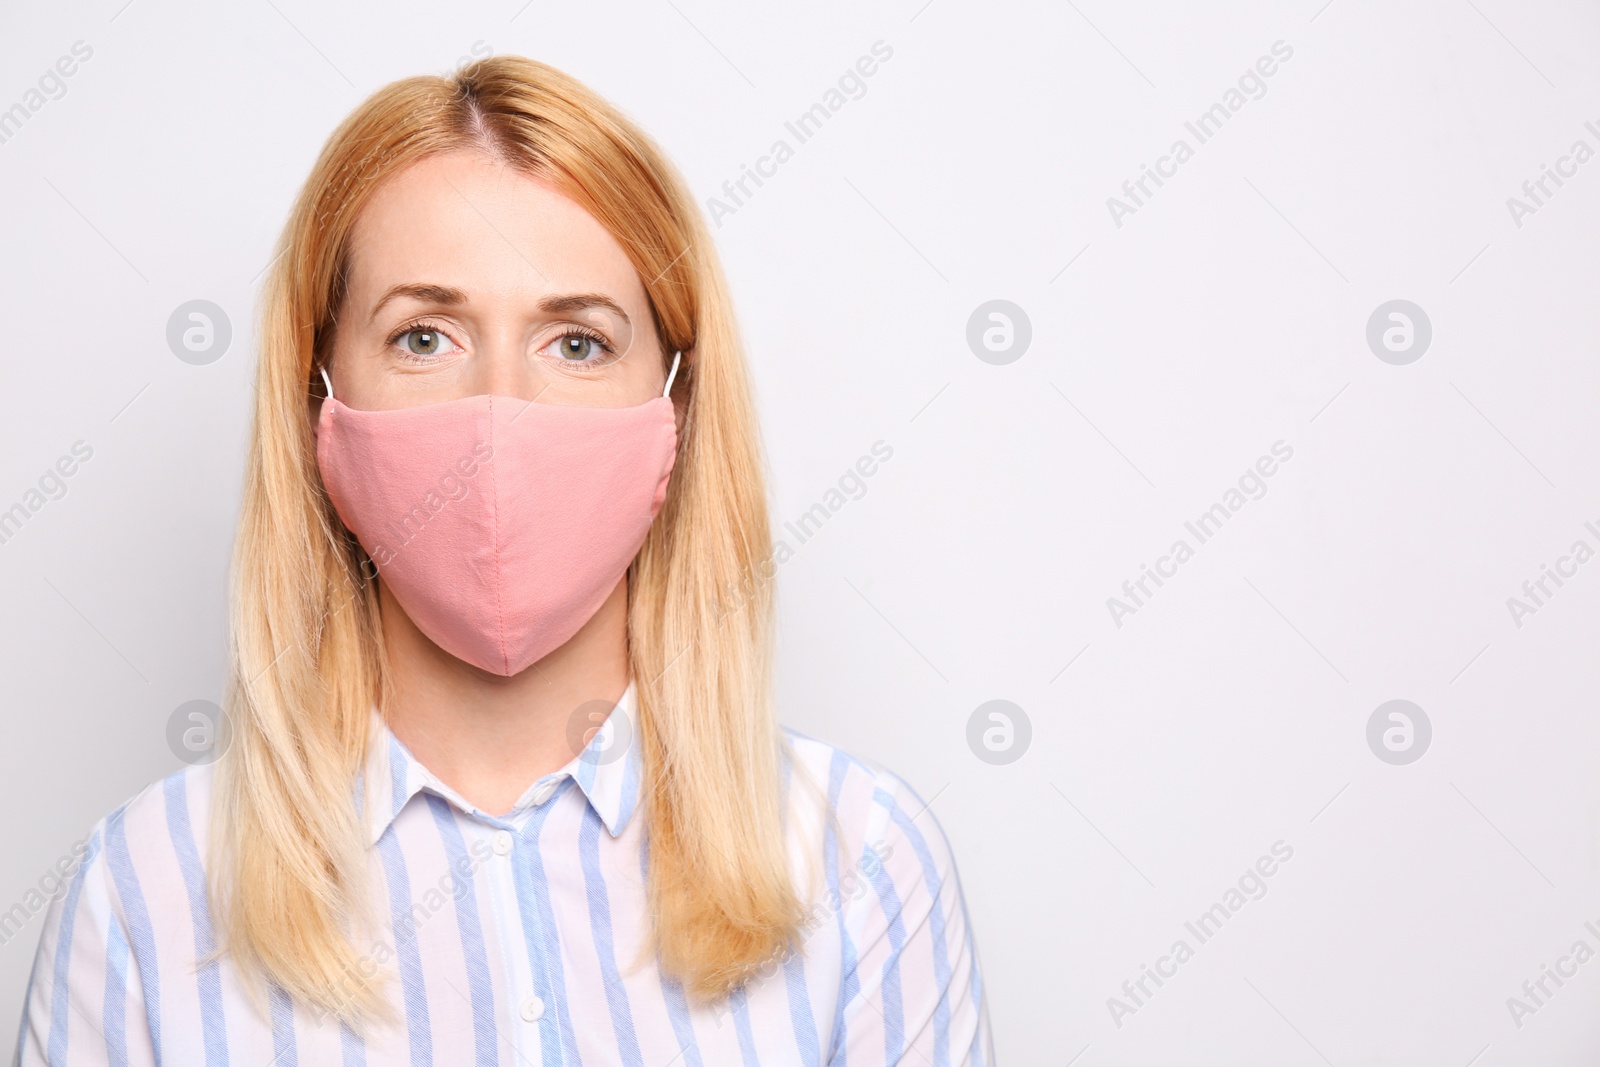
{"x": 607, "y": 771}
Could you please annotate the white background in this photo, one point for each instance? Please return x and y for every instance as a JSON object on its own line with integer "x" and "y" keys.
{"x": 1229, "y": 312}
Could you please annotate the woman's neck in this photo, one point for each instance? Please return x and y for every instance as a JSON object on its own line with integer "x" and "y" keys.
{"x": 489, "y": 737}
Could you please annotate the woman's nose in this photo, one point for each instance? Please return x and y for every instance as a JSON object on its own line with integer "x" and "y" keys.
{"x": 503, "y": 369}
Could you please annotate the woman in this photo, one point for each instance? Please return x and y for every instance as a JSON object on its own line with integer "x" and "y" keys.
{"x": 505, "y": 784}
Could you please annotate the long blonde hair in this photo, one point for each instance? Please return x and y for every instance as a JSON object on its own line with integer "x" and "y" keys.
{"x": 289, "y": 850}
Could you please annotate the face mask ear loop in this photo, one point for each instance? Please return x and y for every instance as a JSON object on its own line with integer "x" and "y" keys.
{"x": 674, "y": 373}
{"x": 327, "y": 382}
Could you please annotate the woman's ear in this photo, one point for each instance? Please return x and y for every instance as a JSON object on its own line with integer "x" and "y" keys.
{"x": 680, "y": 390}
{"x": 315, "y": 391}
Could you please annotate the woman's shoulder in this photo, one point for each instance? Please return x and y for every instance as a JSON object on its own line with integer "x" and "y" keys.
{"x": 890, "y": 911}
{"x": 846, "y": 775}
{"x": 166, "y": 815}
{"x": 128, "y": 892}
{"x": 147, "y": 853}
{"x": 879, "y": 820}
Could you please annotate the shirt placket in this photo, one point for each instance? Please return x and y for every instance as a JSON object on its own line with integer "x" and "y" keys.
{"x": 527, "y": 939}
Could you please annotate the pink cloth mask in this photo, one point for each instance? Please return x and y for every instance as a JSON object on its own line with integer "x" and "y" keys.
{"x": 501, "y": 525}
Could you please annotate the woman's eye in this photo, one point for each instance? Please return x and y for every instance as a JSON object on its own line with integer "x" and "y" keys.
{"x": 424, "y": 342}
{"x": 579, "y": 348}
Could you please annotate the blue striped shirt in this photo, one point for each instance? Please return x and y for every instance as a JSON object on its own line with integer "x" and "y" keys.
{"x": 509, "y": 938}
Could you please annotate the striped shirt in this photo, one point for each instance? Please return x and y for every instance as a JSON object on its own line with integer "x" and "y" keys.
{"x": 510, "y": 938}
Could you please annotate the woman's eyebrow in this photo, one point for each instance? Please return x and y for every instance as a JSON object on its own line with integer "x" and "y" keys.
{"x": 560, "y": 305}
{"x": 428, "y": 294}
{"x": 451, "y": 297}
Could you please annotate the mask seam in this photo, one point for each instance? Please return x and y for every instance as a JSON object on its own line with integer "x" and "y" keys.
{"x": 494, "y": 540}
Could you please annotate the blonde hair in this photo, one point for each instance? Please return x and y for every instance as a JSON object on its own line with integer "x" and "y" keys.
{"x": 289, "y": 849}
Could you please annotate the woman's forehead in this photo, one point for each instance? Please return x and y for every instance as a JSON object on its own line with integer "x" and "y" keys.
{"x": 466, "y": 220}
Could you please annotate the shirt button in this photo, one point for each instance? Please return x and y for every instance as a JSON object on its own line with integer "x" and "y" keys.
{"x": 532, "y": 1010}
{"x": 542, "y": 793}
{"x": 502, "y": 842}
